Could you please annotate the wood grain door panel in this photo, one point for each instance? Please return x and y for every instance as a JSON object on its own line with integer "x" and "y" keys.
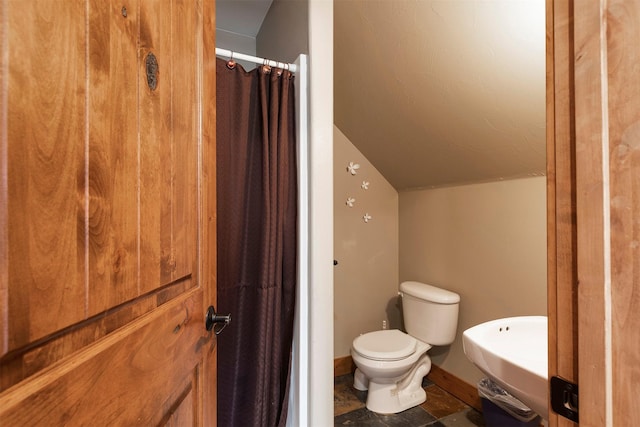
{"x": 44, "y": 238}
{"x": 107, "y": 232}
{"x": 111, "y": 192}
{"x": 128, "y": 366}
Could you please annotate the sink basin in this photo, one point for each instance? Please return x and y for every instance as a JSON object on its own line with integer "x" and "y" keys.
{"x": 513, "y": 353}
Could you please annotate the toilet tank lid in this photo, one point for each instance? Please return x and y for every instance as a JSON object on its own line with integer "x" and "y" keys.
{"x": 429, "y": 293}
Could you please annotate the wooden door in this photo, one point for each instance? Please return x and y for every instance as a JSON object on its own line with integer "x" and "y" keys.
{"x": 107, "y": 231}
{"x": 607, "y": 98}
{"x": 596, "y": 73}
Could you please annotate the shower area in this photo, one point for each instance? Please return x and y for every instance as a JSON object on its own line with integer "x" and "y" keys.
{"x": 258, "y": 230}
{"x": 278, "y": 305}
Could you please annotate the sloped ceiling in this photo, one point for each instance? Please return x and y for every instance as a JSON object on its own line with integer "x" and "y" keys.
{"x": 241, "y": 16}
{"x": 442, "y": 92}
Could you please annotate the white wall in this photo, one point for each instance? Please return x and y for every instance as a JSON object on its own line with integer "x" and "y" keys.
{"x": 487, "y": 242}
{"x": 321, "y": 215}
{"x": 366, "y": 277}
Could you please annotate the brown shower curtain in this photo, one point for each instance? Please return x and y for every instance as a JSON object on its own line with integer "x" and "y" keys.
{"x": 257, "y": 221}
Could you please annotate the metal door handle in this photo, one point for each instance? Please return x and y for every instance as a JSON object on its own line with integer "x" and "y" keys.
{"x": 213, "y": 318}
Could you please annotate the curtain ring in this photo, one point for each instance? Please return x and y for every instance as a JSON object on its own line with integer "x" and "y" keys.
{"x": 285, "y": 67}
{"x": 231, "y": 64}
{"x": 266, "y": 68}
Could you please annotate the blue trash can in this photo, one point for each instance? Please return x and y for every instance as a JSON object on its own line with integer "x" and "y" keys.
{"x": 501, "y": 409}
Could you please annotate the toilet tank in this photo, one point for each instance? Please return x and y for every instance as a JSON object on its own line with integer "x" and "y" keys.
{"x": 430, "y": 313}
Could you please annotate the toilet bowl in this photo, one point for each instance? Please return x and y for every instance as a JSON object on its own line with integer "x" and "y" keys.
{"x": 384, "y": 359}
{"x": 390, "y": 363}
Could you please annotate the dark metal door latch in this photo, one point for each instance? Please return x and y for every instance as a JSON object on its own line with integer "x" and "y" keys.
{"x": 212, "y": 319}
{"x": 564, "y": 398}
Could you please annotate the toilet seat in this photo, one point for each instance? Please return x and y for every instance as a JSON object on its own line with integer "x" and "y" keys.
{"x": 390, "y": 344}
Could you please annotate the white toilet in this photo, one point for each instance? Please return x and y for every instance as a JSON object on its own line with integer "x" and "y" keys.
{"x": 391, "y": 363}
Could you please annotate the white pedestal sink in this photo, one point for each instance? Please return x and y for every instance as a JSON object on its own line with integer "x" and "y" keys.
{"x": 513, "y": 353}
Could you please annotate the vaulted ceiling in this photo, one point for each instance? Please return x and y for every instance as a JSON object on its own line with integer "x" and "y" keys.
{"x": 441, "y": 92}
{"x": 438, "y": 92}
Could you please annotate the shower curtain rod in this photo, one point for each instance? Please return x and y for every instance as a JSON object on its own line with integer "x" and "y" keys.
{"x": 235, "y": 55}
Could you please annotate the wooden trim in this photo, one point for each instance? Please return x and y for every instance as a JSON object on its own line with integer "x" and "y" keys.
{"x": 343, "y": 366}
{"x": 454, "y": 385}
{"x": 592, "y": 130}
{"x": 562, "y": 280}
{"x": 443, "y": 379}
{"x": 552, "y": 232}
{"x": 620, "y": 299}
{"x": 208, "y": 275}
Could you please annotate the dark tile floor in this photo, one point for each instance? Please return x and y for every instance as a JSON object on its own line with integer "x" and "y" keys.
{"x": 440, "y": 410}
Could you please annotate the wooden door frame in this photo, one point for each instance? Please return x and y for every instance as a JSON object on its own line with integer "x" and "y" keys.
{"x": 561, "y": 198}
{"x": 591, "y": 292}
{"x": 207, "y": 214}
